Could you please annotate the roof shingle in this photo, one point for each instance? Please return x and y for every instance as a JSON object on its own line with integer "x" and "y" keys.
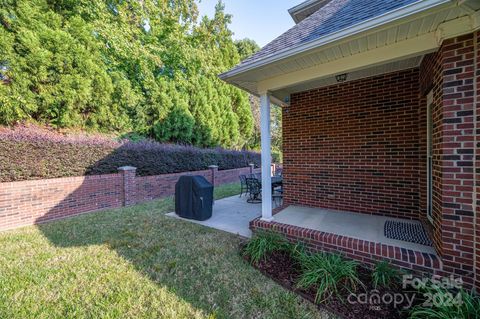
{"x": 334, "y": 16}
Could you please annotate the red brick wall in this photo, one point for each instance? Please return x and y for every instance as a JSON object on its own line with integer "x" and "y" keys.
{"x": 454, "y": 149}
{"x": 477, "y": 162}
{"x": 358, "y": 146}
{"x": 355, "y": 146}
{"x": 431, "y": 79}
{"x": 32, "y": 202}
{"x": 151, "y": 187}
{"x": 29, "y": 202}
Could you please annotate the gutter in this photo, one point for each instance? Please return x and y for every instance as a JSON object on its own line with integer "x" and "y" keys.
{"x": 403, "y": 12}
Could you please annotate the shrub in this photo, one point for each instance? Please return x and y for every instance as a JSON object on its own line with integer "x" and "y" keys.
{"x": 327, "y": 273}
{"x": 31, "y": 153}
{"x": 384, "y": 275}
{"x": 264, "y": 243}
{"x": 448, "y": 305}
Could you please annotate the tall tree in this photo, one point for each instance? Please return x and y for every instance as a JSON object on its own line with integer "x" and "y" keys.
{"x": 122, "y": 65}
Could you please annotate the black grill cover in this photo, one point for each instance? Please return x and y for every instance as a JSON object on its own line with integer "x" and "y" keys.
{"x": 193, "y": 198}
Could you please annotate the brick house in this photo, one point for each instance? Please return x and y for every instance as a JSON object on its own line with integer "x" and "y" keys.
{"x": 381, "y": 118}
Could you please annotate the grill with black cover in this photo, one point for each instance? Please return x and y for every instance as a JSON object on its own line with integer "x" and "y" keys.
{"x": 194, "y": 198}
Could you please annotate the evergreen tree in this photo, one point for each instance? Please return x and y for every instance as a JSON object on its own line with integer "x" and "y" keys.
{"x": 147, "y": 66}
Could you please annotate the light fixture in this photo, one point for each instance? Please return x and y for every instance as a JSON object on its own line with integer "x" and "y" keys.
{"x": 341, "y": 77}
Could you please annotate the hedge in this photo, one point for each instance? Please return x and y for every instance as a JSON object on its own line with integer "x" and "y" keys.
{"x": 27, "y": 154}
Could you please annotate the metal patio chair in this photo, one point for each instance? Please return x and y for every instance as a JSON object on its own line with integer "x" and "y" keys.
{"x": 254, "y": 191}
{"x": 243, "y": 185}
{"x": 277, "y": 196}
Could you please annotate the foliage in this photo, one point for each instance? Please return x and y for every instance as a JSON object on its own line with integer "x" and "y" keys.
{"x": 384, "y": 275}
{"x": 30, "y": 153}
{"x": 448, "y": 304}
{"x": 119, "y": 66}
{"x": 327, "y": 273}
{"x": 264, "y": 243}
{"x": 246, "y": 48}
{"x": 275, "y": 131}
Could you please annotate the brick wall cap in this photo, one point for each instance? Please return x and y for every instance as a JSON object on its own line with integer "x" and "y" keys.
{"x": 127, "y": 168}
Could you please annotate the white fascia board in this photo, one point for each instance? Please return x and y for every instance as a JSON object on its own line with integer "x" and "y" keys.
{"x": 364, "y": 26}
{"x": 457, "y": 27}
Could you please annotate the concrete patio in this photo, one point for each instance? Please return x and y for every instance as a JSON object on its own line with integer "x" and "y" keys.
{"x": 232, "y": 214}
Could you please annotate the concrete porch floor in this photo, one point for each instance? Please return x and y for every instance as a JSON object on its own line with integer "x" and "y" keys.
{"x": 233, "y": 215}
{"x": 353, "y": 225}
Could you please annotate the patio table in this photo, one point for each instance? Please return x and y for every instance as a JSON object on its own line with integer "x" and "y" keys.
{"x": 276, "y": 181}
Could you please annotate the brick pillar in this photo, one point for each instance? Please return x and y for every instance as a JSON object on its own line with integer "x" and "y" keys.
{"x": 252, "y": 168}
{"x": 456, "y": 118}
{"x": 214, "y": 171}
{"x": 128, "y": 173}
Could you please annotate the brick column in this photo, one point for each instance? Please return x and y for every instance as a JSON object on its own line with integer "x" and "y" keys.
{"x": 252, "y": 168}
{"x": 456, "y": 127}
{"x": 128, "y": 173}
{"x": 214, "y": 170}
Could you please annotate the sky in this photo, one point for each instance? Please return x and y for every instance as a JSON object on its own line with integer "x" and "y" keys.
{"x": 260, "y": 20}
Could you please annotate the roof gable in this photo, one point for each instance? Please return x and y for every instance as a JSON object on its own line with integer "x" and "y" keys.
{"x": 305, "y": 9}
{"x": 334, "y": 16}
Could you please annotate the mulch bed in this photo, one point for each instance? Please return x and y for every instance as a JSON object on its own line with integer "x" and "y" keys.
{"x": 281, "y": 268}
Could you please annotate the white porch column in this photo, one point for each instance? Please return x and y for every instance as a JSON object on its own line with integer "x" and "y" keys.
{"x": 266, "y": 157}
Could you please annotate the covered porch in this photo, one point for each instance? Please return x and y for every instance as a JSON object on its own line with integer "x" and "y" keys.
{"x": 377, "y": 125}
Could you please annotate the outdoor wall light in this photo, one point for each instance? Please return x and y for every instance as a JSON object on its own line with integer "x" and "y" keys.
{"x": 341, "y": 77}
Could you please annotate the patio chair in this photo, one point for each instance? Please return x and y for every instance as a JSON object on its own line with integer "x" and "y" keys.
{"x": 254, "y": 191}
{"x": 243, "y": 185}
{"x": 277, "y": 196}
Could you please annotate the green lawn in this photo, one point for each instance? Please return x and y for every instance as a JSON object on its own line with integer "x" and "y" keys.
{"x": 135, "y": 263}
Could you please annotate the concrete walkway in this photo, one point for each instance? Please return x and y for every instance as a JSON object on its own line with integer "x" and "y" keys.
{"x": 232, "y": 214}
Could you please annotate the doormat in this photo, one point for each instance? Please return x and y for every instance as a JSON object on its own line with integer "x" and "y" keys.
{"x": 410, "y": 232}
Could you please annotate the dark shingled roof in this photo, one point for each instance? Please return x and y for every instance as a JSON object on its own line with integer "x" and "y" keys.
{"x": 333, "y": 17}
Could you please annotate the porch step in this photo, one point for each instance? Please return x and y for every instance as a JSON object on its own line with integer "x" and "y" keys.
{"x": 365, "y": 251}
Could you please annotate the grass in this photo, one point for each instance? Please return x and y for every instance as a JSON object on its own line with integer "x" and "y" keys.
{"x": 227, "y": 190}
{"x": 136, "y": 263}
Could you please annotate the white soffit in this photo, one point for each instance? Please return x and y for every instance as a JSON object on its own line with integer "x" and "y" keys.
{"x": 355, "y": 75}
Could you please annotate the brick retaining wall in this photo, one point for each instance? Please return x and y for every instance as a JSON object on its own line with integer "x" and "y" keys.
{"x": 31, "y": 202}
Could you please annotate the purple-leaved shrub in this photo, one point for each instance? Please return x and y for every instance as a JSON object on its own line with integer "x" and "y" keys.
{"x": 29, "y": 152}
